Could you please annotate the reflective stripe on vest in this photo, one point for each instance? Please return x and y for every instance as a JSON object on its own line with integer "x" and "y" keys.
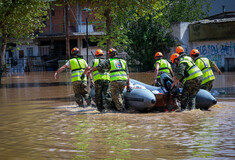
{"x": 193, "y": 71}
{"x": 98, "y": 75}
{"x": 78, "y": 66}
{"x": 118, "y": 69}
{"x": 187, "y": 58}
{"x": 204, "y": 65}
{"x": 164, "y": 66}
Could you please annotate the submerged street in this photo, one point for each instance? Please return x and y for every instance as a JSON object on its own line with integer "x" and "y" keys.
{"x": 40, "y": 120}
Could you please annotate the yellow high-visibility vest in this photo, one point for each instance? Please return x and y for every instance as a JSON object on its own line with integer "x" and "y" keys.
{"x": 192, "y": 71}
{"x": 164, "y": 66}
{"x": 98, "y": 75}
{"x": 78, "y": 66}
{"x": 118, "y": 69}
{"x": 204, "y": 65}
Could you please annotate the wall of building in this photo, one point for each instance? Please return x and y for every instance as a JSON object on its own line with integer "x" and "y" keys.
{"x": 221, "y": 52}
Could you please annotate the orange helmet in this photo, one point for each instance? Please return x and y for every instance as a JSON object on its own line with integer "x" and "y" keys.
{"x": 75, "y": 51}
{"x": 179, "y": 49}
{"x": 158, "y": 54}
{"x": 194, "y": 52}
{"x": 112, "y": 52}
{"x": 99, "y": 52}
{"x": 174, "y": 56}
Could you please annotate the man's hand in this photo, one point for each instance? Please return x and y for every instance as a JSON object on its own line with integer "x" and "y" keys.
{"x": 56, "y": 75}
{"x": 154, "y": 82}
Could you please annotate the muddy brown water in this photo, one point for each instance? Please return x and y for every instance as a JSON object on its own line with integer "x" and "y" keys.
{"x": 39, "y": 120}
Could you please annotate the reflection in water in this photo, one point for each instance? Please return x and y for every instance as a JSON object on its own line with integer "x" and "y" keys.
{"x": 39, "y": 120}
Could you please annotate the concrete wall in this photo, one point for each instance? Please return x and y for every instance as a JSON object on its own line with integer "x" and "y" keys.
{"x": 218, "y": 51}
{"x": 222, "y": 52}
{"x": 215, "y": 30}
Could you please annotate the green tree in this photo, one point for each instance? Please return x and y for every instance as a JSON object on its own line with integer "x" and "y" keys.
{"x": 111, "y": 17}
{"x": 151, "y": 32}
{"x": 19, "y": 20}
{"x": 146, "y": 37}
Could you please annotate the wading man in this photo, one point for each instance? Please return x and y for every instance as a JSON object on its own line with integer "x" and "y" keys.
{"x": 205, "y": 65}
{"x": 191, "y": 76}
{"x": 77, "y": 65}
{"x": 119, "y": 77}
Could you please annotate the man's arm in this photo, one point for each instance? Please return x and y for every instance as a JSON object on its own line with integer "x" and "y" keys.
{"x": 156, "y": 73}
{"x": 61, "y": 69}
{"x": 217, "y": 69}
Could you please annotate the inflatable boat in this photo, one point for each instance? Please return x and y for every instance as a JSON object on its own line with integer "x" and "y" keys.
{"x": 146, "y": 98}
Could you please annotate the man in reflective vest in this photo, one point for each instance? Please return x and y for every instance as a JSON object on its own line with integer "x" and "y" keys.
{"x": 102, "y": 83}
{"x": 77, "y": 65}
{"x": 161, "y": 66}
{"x": 191, "y": 76}
{"x": 183, "y": 56}
{"x": 119, "y": 77}
{"x": 205, "y": 65}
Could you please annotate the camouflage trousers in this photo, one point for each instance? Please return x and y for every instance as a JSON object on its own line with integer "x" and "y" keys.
{"x": 102, "y": 94}
{"x": 190, "y": 89}
{"x": 80, "y": 91}
{"x": 208, "y": 85}
{"x": 117, "y": 88}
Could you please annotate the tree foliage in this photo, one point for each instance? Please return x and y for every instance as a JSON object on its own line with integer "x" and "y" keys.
{"x": 151, "y": 32}
{"x": 142, "y": 27}
{"x": 20, "y": 19}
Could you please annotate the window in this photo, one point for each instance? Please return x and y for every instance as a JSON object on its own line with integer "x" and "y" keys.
{"x": 30, "y": 52}
{"x": 90, "y": 44}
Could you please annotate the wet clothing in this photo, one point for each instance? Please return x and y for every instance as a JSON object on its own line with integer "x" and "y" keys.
{"x": 192, "y": 77}
{"x": 80, "y": 91}
{"x": 164, "y": 67}
{"x": 208, "y": 85}
{"x": 190, "y": 90}
{"x": 118, "y": 76}
{"x": 103, "y": 98}
{"x": 77, "y": 66}
{"x": 102, "y": 86}
{"x": 117, "y": 88}
{"x": 204, "y": 64}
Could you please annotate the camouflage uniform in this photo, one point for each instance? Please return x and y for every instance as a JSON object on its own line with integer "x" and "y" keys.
{"x": 102, "y": 91}
{"x": 208, "y": 85}
{"x": 117, "y": 86}
{"x": 190, "y": 88}
{"x": 183, "y": 56}
{"x": 80, "y": 91}
{"x": 80, "y": 88}
{"x": 164, "y": 67}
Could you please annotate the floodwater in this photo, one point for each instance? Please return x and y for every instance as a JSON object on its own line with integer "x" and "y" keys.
{"x": 39, "y": 120}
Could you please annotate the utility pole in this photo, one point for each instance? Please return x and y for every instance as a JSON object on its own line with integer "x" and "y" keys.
{"x": 87, "y": 10}
{"x": 67, "y": 31}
